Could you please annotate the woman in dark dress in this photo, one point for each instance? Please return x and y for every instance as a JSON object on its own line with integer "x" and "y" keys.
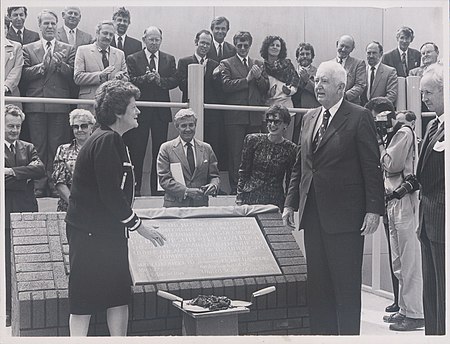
{"x": 100, "y": 216}
{"x": 267, "y": 160}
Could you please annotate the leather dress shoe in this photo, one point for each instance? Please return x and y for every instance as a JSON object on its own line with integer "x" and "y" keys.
{"x": 392, "y": 308}
{"x": 408, "y": 324}
{"x": 394, "y": 318}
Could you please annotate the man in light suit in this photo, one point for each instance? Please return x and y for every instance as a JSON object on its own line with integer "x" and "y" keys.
{"x": 17, "y": 31}
{"x": 430, "y": 55}
{"x": 194, "y": 159}
{"x": 129, "y": 45}
{"x": 47, "y": 72}
{"x": 154, "y": 72}
{"x": 355, "y": 68}
{"x": 304, "y": 97}
{"x": 212, "y": 87}
{"x": 22, "y": 167}
{"x": 243, "y": 84}
{"x": 337, "y": 187}
{"x": 381, "y": 79}
{"x": 69, "y": 32}
{"x": 98, "y": 62}
{"x": 220, "y": 49}
{"x": 403, "y": 58}
{"x": 13, "y": 66}
{"x": 431, "y": 175}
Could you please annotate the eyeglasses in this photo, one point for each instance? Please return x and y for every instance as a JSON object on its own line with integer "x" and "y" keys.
{"x": 274, "y": 121}
{"x": 83, "y": 126}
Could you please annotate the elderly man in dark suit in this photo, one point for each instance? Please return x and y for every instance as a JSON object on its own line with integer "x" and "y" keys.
{"x": 187, "y": 167}
{"x": 243, "y": 84}
{"x": 212, "y": 87}
{"x": 17, "y": 31}
{"x": 129, "y": 45}
{"x": 154, "y": 72}
{"x": 22, "y": 166}
{"x": 381, "y": 79}
{"x": 47, "y": 72}
{"x": 70, "y": 33}
{"x": 403, "y": 58}
{"x": 430, "y": 172}
{"x": 355, "y": 68}
{"x": 304, "y": 97}
{"x": 337, "y": 187}
{"x": 220, "y": 49}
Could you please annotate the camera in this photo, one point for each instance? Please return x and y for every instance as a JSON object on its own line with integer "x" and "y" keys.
{"x": 383, "y": 123}
{"x": 410, "y": 185}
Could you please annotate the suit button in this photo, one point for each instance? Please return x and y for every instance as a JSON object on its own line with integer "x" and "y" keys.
{"x": 90, "y": 234}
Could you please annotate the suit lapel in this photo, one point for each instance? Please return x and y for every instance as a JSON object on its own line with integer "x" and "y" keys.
{"x": 378, "y": 76}
{"x": 336, "y": 122}
{"x": 240, "y": 66}
{"x": 63, "y": 36}
{"x": 97, "y": 56}
{"x": 9, "y": 159}
{"x": 20, "y": 154}
{"x": 199, "y": 157}
{"x": 112, "y": 57}
{"x": 439, "y": 134}
{"x": 308, "y": 129}
{"x": 178, "y": 150}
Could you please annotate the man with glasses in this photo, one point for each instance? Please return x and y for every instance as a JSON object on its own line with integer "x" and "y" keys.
{"x": 154, "y": 73}
{"x": 243, "y": 84}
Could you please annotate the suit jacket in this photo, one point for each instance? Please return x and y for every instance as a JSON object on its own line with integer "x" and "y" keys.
{"x": 55, "y": 83}
{"x": 430, "y": 172}
{"x": 239, "y": 92}
{"x": 19, "y": 189}
{"x": 228, "y": 50}
{"x": 206, "y": 171}
{"x": 356, "y": 79}
{"x": 137, "y": 64}
{"x": 393, "y": 59}
{"x": 89, "y": 65}
{"x": 131, "y": 46}
{"x": 345, "y": 170}
{"x": 418, "y": 71}
{"x": 305, "y": 96}
{"x": 13, "y": 66}
{"x": 385, "y": 84}
{"x": 28, "y": 36}
{"x": 82, "y": 38}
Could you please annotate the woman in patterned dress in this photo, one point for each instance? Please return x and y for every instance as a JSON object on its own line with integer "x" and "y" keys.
{"x": 267, "y": 161}
{"x": 82, "y": 123}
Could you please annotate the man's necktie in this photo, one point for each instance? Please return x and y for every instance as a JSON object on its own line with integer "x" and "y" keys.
{"x": 19, "y": 34}
{"x": 202, "y": 60}
{"x": 244, "y": 60}
{"x": 433, "y": 130}
{"x": 190, "y": 156}
{"x": 71, "y": 37}
{"x": 404, "y": 64}
{"x": 48, "y": 53}
{"x": 105, "y": 58}
{"x": 13, "y": 151}
{"x": 372, "y": 77}
{"x": 319, "y": 135}
{"x": 340, "y": 61}
{"x": 152, "y": 63}
{"x": 220, "y": 52}
{"x": 119, "y": 43}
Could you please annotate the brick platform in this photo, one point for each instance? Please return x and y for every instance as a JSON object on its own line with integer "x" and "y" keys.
{"x": 40, "y": 296}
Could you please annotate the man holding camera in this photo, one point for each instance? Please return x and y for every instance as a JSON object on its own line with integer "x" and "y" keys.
{"x": 399, "y": 161}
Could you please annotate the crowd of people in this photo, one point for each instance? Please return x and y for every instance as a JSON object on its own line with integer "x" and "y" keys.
{"x": 329, "y": 164}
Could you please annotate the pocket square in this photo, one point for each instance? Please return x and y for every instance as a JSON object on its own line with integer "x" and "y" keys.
{"x": 205, "y": 161}
{"x": 439, "y": 146}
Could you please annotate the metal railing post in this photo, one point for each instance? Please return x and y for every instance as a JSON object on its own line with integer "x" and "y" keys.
{"x": 196, "y": 96}
{"x": 401, "y": 97}
{"x": 414, "y": 100}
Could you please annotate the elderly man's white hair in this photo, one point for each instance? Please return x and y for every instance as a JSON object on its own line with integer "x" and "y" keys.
{"x": 337, "y": 71}
{"x": 184, "y": 113}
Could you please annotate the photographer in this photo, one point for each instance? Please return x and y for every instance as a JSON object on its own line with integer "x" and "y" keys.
{"x": 399, "y": 160}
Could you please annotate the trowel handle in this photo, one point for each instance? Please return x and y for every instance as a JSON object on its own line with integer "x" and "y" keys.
{"x": 168, "y": 296}
{"x": 264, "y": 291}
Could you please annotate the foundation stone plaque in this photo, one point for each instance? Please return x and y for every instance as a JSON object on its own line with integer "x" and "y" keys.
{"x": 201, "y": 248}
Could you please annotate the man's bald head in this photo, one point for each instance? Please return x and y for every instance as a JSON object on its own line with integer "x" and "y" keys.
{"x": 345, "y": 45}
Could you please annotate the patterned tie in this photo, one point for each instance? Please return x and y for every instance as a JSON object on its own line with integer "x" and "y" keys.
{"x": 119, "y": 43}
{"x": 244, "y": 60}
{"x": 202, "y": 60}
{"x": 190, "y": 156}
{"x": 152, "y": 63}
{"x": 404, "y": 64}
{"x": 372, "y": 77}
{"x": 220, "y": 52}
{"x": 340, "y": 61}
{"x": 13, "y": 152}
{"x": 19, "y": 34}
{"x": 71, "y": 37}
{"x": 319, "y": 135}
{"x": 433, "y": 129}
{"x": 48, "y": 53}
{"x": 105, "y": 58}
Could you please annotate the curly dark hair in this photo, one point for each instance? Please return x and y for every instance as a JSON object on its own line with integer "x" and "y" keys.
{"x": 112, "y": 98}
{"x": 281, "y": 110}
{"x": 264, "y": 51}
